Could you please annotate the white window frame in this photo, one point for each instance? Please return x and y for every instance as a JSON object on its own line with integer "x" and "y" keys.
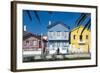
{"x": 35, "y": 42}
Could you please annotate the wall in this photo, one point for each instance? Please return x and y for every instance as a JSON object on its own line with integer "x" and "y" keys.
{"x": 5, "y": 37}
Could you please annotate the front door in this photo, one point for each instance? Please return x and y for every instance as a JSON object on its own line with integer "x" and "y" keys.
{"x": 58, "y": 47}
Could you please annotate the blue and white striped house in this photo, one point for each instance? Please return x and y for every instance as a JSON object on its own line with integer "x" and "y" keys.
{"x": 58, "y": 38}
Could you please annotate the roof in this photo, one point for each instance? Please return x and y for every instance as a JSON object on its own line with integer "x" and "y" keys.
{"x": 28, "y": 35}
{"x": 78, "y": 28}
{"x": 56, "y": 23}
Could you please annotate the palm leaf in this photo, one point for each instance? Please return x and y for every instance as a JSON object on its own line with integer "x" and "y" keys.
{"x": 81, "y": 19}
{"x": 29, "y": 15}
{"x": 87, "y": 24}
{"x": 37, "y": 16}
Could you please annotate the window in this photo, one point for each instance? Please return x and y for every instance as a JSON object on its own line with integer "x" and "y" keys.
{"x": 39, "y": 44}
{"x": 53, "y": 33}
{"x": 64, "y": 48}
{"x": 80, "y": 37}
{"x": 58, "y": 44}
{"x": 64, "y": 44}
{"x": 50, "y": 34}
{"x": 35, "y": 42}
{"x": 58, "y": 33}
{"x": 63, "y": 33}
{"x": 87, "y": 37}
{"x": 53, "y": 44}
{"x": 74, "y": 37}
{"x": 67, "y": 34}
{"x": 27, "y": 42}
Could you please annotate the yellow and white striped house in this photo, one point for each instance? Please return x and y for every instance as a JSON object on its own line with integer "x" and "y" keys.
{"x": 80, "y": 43}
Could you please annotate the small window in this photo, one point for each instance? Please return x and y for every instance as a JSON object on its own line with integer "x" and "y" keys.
{"x": 35, "y": 42}
{"x": 87, "y": 37}
{"x": 58, "y": 44}
{"x": 80, "y": 37}
{"x": 27, "y": 41}
{"x": 58, "y": 33}
{"x": 50, "y": 34}
{"x": 64, "y": 44}
{"x": 54, "y": 33}
{"x": 53, "y": 44}
{"x": 74, "y": 37}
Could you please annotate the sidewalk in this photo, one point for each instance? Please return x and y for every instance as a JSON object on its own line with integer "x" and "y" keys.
{"x": 56, "y": 57}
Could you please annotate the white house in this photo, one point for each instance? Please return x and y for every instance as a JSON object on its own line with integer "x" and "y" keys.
{"x": 58, "y": 38}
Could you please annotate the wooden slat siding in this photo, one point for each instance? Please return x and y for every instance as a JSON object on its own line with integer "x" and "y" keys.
{"x": 30, "y": 39}
{"x": 38, "y": 45}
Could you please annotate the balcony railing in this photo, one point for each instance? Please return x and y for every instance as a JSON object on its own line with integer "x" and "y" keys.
{"x": 58, "y": 38}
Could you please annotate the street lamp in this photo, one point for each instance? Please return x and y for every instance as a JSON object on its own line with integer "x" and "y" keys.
{"x": 41, "y": 45}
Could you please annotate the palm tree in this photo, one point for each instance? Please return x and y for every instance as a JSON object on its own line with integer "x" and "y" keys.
{"x": 87, "y": 25}
{"x": 81, "y": 19}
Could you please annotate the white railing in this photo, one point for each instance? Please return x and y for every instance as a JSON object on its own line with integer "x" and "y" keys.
{"x": 32, "y": 49}
{"x": 58, "y": 38}
{"x": 32, "y": 52}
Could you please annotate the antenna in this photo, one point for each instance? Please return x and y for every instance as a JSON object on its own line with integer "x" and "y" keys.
{"x": 24, "y": 27}
{"x": 49, "y": 22}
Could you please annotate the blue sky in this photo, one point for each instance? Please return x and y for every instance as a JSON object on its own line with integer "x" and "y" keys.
{"x": 34, "y": 26}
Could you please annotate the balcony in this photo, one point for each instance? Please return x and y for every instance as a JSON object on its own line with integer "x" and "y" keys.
{"x": 58, "y": 38}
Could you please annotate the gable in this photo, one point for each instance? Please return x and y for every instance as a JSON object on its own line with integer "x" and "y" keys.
{"x": 58, "y": 27}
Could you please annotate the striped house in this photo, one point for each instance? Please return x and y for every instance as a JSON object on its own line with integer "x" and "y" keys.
{"x": 33, "y": 44}
{"x": 58, "y": 38}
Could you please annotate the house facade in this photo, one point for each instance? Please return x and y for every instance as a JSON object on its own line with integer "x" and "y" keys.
{"x": 80, "y": 42}
{"x": 33, "y": 44}
{"x": 58, "y": 38}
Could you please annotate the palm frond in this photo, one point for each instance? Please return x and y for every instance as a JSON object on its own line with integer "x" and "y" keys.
{"x": 29, "y": 15}
{"x": 87, "y": 24}
{"x": 80, "y": 19}
{"x": 37, "y": 16}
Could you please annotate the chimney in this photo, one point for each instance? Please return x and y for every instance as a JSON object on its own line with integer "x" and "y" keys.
{"x": 24, "y": 27}
{"x": 49, "y": 22}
